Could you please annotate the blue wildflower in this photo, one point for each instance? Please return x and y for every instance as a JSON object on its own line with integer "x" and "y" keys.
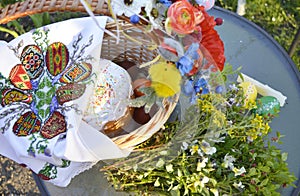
{"x": 188, "y": 90}
{"x": 219, "y": 89}
{"x": 186, "y": 62}
{"x": 185, "y": 65}
{"x": 201, "y": 86}
{"x": 167, "y": 3}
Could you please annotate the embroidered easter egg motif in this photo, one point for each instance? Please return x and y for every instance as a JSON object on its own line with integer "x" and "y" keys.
{"x": 33, "y": 61}
{"x": 48, "y": 172}
{"x": 13, "y": 95}
{"x": 69, "y": 92}
{"x": 57, "y": 58}
{"x": 19, "y": 77}
{"x": 27, "y": 124}
{"x": 54, "y": 125}
{"x": 76, "y": 73}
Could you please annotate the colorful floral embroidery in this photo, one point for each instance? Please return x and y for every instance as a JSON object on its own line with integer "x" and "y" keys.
{"x": 48, "y": 76}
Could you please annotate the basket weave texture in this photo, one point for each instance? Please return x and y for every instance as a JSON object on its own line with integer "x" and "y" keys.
{"x": 125, "y": 50}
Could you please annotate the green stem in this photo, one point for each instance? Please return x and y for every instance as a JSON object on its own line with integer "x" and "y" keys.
{"x": 13, "y": 33}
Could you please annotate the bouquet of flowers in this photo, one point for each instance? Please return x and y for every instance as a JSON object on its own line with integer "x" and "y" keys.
{"x": 217, "y": 144}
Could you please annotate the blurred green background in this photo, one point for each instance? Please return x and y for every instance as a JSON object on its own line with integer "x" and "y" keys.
{"x": 280, "y": 18}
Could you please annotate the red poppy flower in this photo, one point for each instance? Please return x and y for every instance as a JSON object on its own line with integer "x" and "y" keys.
{"x": 211, "y": 40}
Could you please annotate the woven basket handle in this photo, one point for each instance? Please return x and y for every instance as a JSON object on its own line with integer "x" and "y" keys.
{"x": 29, "y": 7}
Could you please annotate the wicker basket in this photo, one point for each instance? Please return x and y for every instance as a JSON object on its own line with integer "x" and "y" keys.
{"x": 125, "y": 50}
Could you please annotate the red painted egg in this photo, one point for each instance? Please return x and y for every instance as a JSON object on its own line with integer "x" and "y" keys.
{"x": 27, "y": 124}
{"x": 33, "y": 60}
{"x": 19, "y": 77}
{"x": 57, "y": 58}
{"x": 54, "y": 125}
{"x": 76, "y": 73}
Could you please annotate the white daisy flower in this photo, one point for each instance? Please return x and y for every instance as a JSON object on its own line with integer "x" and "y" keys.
{"x": 127, "y": 7}
{"x": 239, "y": 185}
{"x": 238, "y": 172}
{"x": 228, "y": 161}
{"x": 204, "y": 181}
{"x": 184, "y": 146}
{"x": 202, "y": 164}
{"x": 207, "y": 149}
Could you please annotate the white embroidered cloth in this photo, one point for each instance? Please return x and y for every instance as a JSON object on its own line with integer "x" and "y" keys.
{"x": 47, "y": 78}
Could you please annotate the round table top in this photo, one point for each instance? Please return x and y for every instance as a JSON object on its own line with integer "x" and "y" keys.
{"x": 261, "y": 58}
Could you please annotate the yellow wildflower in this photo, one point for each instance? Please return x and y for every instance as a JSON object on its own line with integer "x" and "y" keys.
{"x": 165, "y": 79}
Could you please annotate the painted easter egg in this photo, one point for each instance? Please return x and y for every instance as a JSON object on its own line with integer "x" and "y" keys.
{"x": 76, "y": 73}
{"x": 250, "y": 92}
{"x": 19, "y": 77}
{"x": 57, "y": 58}
{"x": 13, "y": 95}
{"x": 27, "y": 124}
{"x": 33, "y": 60}
{"x": 69, "y": 92}
{"x": 54, "y": 125}
{"x": 267, "y": 105}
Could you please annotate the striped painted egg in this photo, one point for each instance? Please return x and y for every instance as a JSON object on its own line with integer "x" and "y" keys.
{"x": 57, "y": 58}
{"x": 69, "y": 92}
{"x": 54, "y": 125}
{"x": 13, "y": 95}
{"x": 19, "y": 77}
{"x": 27, "y": 124}
{"x": 76, "y": 73}
{"x": 33, "y": 60}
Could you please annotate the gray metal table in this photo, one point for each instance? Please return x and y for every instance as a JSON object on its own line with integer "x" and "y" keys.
{"x": 262, "y": 58}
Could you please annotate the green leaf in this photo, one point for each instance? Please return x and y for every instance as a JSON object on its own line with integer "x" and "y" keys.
{"x": 252, "y": 172}
{"x": 265, "y": 168}
{"x": 264, "y": 182}
{"x": 284, "y": 156}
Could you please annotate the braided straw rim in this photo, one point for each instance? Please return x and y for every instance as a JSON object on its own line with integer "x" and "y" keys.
{"x": 29, "y": 7}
